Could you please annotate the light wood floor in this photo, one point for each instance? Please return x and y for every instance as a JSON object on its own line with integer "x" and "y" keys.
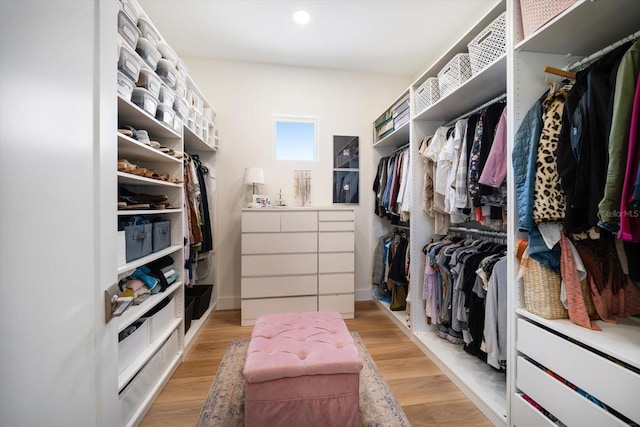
{"x": 425, "y": 393}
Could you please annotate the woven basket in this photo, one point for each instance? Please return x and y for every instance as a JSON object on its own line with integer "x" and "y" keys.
{"x": 542, "y": 291}
{"x": 452, "y": 75}
{"x": 427, "y": 94}
{"x": 489, "y": 45}
{"x": 536, "y": 13}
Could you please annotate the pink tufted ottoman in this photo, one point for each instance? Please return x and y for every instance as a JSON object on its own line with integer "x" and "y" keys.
{"x": 302, "y": 369}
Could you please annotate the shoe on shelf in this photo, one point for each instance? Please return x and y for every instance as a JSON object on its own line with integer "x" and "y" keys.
{"x": 126, "y": 166}
{"x": 455, "y": 337}
{"x": 443, "y": 331}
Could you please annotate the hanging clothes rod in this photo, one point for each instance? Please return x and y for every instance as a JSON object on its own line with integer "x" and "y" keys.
{"x": 585, "y": 62}
{"x": 478, "y": 109}
{"x": 402, "y": 147}
{"x": 492, "y": 233}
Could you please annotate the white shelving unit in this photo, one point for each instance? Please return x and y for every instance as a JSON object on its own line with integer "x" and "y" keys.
{"x": 148, "y": 363}
{"x": 603, "y": 363}
{"x": 584, "y": 357}
{"x": 205, "y": 145}
{"x": 482, "y": 384}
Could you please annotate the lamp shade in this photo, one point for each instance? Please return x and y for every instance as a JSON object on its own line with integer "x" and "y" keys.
{"x": 253, "y": 176}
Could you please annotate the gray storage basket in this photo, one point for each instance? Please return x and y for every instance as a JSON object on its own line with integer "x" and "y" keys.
{"x": 138, "y": 241}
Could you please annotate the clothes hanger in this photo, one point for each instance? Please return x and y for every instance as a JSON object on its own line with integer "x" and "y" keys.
{"x": 555, "y": 85}
{"x": 558, "y": 72}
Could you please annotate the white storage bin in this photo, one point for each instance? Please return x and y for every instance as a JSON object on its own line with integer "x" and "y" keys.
{"x": 452, "y": 75}
{"x": 489, "y": 45}
{"x": 148, "y": 52}
{"x": 167, "y": 96}
{"x": 125, "y": 86}
{"x": 131, "y": 9}
{"x": 178, "y": 123}
{"x": 181, "y": 108}
{"x": 207, "y": 113}
{"x": 147, "y": 31}
{"x": 181, "y": 87}
{"x": 167, "y": 72}
{"x": 132, "y": 346}
{"x": 145, "y": 100}
{"x": 183, "y": 72}
{"x": 161, "y": 320}
{"x": 141, "y": 385}
{"x": 128, "y": 29}
{"x": 150, "y": 81}
{"x": 129, "y": 63}
{"x": 165, "y": 114}
{"x": 167, "y": 52}
{"x": 427, "y": 94}
{"x": 194, "y": 100}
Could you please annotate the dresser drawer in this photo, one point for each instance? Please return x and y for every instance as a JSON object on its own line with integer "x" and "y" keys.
{"x": 343, "y": 304}
{"x": 596, "y": 375}
{"x": 339, "y": 262}
{"x": 266, "y": 287}
{"x": 337, "y": 215}
{"x": 563, "y": 402}
{"x": 525, "y": 415}
{"x": 338, "y": 241}
{"x": 279, "y": 265}
{"x": 253, "y": 308}
{"x": 257, "y": 221}
{"x": 336, "y": 226}
{"x": 335, "y": 283}
{"x": 279, "y": 243}
{"x": 299, "y": 221}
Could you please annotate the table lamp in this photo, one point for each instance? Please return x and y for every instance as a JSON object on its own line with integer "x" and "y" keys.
{"x": 253, "y": 176}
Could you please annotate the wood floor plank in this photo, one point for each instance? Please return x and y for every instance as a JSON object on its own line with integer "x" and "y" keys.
{"x": 425, "y": 393}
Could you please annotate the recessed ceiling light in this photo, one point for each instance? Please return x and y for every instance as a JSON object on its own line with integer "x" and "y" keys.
{"x": 301, "y": 17}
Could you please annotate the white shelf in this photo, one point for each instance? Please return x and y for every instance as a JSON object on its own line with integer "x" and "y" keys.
{"x": 129, "y": 212}
{"x": 396, "y": 138}
{"x": 193, "y": 142}
{"x": 127, "y": 178}
{"x": 585, "y": 27}
{"x": 151, "y": 348}
{"x": 134, "y": 312}
{"x": 620, "y": 341}
{"x": 147, "y": 259}
{"x": 132, "y": 115}
{"x": 483, "y": 385}
{"x": 130, "y": 148}
{"x": 482, "y": 87}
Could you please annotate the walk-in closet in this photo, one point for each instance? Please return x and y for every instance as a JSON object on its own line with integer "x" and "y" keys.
{"x": 446, "y": 191}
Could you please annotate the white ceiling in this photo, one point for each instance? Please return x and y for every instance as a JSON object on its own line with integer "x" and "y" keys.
{"x": 387, "y": 36}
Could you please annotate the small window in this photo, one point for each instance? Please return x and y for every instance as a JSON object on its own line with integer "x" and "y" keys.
{"x": 296, "y": 138}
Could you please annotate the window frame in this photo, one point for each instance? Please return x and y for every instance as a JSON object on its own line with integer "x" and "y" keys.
{"x": 285, "y": 118}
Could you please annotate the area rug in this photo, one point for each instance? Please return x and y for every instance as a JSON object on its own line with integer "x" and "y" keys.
{"x": 225, "y": 402}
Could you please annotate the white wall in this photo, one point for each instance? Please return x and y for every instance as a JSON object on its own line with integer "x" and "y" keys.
{"x": 245, "y": 97}
{"x": 57, "y": 152}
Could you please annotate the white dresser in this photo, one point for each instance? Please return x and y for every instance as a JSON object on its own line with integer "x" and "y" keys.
{"x": 296, "y": 260}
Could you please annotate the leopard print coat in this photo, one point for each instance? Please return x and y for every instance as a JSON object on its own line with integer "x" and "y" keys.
{"x": 549, "y": 200}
